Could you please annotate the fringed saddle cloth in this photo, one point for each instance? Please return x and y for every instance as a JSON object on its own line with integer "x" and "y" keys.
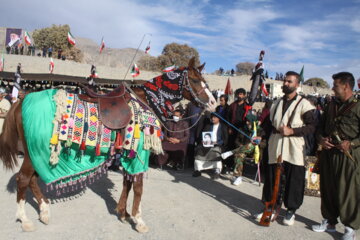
{"x": 77, "y": 122}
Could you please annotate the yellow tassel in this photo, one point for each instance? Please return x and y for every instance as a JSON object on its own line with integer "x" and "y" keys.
{"x": 54, "y": 139}
{"x": 137, "y": 131}
{"x": 256, "y": 154}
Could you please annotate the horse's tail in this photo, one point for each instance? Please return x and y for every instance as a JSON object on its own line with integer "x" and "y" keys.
{"x": 10, "y": 136}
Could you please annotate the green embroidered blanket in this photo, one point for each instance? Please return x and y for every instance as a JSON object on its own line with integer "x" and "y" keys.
{"x": 38, "y": 110}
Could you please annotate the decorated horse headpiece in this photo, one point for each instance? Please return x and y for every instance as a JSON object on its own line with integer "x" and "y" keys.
{"x": 165, "y": 90}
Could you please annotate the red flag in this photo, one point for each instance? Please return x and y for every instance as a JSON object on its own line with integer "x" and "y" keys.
{"x": 264, "y": 90}
{"x": 71, "y": 39}
{"x": 102, "y": 45}
{"x": 228, "y": 90}
{"x": 147, "y": 49}
{"x": 51, "y": 65}
{"x": 135, "y": 71}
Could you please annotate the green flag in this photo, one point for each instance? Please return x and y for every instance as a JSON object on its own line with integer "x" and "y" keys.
{"x": 302, "y": 75}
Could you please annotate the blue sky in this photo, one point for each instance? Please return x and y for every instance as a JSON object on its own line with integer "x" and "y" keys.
{"x": 322, "y": 35}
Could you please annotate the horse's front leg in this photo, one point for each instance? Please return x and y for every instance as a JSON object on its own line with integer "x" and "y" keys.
{"x": 42, "y": 201}
{"x": 23, "y": 180}
{"x": 140, "y": 225}
{"x": 121, "y": 207}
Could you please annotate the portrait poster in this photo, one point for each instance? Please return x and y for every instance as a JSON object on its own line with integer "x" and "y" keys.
{"x": 313, "y": 179}
{"x": 13, "y": 36}
{"x": 207, "y": 139}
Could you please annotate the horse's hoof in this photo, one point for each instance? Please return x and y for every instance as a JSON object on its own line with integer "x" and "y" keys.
{"x": 27, "y": 226}
{"x": 44, "y": 212}
{"x": 45, "y": 218}
{"x": 141, "y": 228}
{"x": 125, "y": 219}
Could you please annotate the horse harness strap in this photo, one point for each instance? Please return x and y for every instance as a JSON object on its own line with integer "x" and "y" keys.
{"x": 114, "y": 111}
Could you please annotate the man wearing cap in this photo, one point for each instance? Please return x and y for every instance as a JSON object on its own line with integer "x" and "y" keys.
{"x": 4, "y": 107}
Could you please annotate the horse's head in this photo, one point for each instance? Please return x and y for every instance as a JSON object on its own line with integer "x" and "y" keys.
{"x": 196, "y": 89}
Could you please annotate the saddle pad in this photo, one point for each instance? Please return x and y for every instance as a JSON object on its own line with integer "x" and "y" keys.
{"x": 78, "y": 113}
{"x": 38, "y": 110}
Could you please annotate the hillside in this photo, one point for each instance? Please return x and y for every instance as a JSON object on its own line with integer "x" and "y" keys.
{"x": 110, "y": 57}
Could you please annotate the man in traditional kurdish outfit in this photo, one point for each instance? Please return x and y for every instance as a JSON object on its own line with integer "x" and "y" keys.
{"x": 291, "y": 118}
{"x": 339, "y": 136}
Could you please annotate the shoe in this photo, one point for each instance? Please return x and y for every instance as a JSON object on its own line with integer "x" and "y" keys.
{"x": 289, "y": 219}
{"x": 216, "y": 176}
{"x": 196, "y": 174}
{"x": 171, "y": 164}
{"x": 237, "y": 181}
{"x": 324, "y": 226}
{"x": 225, "y": 155}
{"x": 349, "y": 234}
{"x": 259, "y": 216}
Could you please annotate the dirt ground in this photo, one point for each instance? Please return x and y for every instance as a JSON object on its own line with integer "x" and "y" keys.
{"x": 175, "y": 206}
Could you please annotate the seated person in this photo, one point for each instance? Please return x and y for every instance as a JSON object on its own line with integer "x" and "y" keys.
{"x": 208, "y": 154}
{"x": 243, "y": 151}
{"x": 175, "y": 141}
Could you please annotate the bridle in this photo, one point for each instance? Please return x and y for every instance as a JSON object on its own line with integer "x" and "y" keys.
{"x": 194, "y": 94}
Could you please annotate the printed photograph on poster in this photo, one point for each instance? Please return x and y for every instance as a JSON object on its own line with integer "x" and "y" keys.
{"x": 313, "y": 179}
{"x": 13, "y": 36}
{"x": 207, "y": 139}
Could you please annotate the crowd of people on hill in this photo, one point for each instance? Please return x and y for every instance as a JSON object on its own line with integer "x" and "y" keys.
{"x": 32, "y": 50}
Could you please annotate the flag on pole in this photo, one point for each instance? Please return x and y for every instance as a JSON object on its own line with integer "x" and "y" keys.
{"x": 147, "y": 49}
{"x": 27, "y": 38}
{"x": 102, "y": 45}
{"x": 169, "y": 68}
{"x": 264, "y": 90}
{"x": 51, "y": 65}
{"x": 71, "y": 39}
{"x": 135, "y": 71}
{"x": 228, "y": 90}
{"x": 2, "y": 63}
{"x": 302, "y": 75}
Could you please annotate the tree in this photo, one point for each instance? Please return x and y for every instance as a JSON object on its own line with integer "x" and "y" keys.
{"x": 149, "y": 63}
{"x": 178, "y": 54}
{"x": 316, "y": 82}
{"x": 56, "y": 37}
{"x": 172, "y": 53}
{"x": 245, "y": 68}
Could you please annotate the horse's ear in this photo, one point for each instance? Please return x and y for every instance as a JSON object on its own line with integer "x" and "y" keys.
{"x": 201, "y": 67}
{"x": 192, "y": 62}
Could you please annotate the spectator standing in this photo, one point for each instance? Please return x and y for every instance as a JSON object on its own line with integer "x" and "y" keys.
{"x": 223, "y": 108}
{"x": 339, "y": 174}
{"x": 4, "y": 107}
{"x": 50, "y": 51}
{"x": 44, "y": 50}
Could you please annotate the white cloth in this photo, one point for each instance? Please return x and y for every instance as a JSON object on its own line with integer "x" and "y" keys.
{"x": 214, "y": 132}
{"x": 200, "y": 165}
{"x": 293, "y": 148}
{"x": 4, "y": 108}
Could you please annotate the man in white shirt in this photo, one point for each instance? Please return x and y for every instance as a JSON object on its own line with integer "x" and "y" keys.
{"x": 4, "y": 107}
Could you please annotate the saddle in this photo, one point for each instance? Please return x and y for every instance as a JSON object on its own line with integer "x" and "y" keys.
{"x": 114, "y": 111}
